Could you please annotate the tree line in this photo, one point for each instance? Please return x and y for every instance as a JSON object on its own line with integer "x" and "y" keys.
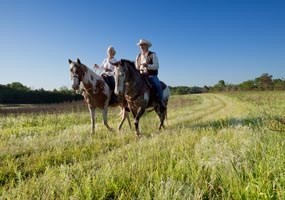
{"x": 265, "y": 82}
{"x": 17, "y": 93}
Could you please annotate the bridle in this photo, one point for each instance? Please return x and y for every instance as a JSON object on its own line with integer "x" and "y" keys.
{"x": 76, "y": 76}
{"x": 90, "y": 89}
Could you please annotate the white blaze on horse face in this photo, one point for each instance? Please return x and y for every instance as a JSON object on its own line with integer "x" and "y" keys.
{"x": 74, "y": 77}
{"x": 119, "y": 80}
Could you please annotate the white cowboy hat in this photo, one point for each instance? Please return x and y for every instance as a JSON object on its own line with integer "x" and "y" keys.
{"x": 143, "y": 41}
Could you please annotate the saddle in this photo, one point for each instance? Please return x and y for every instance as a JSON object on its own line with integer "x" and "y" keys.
{"x": 153, "y": 96}
{"x": 163, "y": 85}
{"x": 106, "y": 79}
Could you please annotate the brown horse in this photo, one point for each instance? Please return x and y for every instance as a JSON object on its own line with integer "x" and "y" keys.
{"x": 133, "y": 86}
{"x": 96, "y": 92}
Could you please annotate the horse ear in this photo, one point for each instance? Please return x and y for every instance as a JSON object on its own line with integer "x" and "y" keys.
{"x": 78, "y": 60}
{"x": 69, "y": 61}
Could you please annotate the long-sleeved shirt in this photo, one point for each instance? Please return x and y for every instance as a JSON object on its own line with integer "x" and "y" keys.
{"x": 107, "y": 66}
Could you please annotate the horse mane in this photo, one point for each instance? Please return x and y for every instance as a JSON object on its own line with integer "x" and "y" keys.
{"x": 134, "y": 77}
{"x": 87, "y": 69}
{"x": 131, "y": 65}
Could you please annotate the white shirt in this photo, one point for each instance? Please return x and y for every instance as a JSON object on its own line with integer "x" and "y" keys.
{"x": 107, "y": 65}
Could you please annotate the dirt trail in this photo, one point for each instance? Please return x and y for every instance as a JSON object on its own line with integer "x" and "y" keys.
{"x": 212, "y": 107}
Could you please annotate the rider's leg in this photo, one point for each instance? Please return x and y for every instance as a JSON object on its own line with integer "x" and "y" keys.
{"x": 157, "y": 86}
{"x": 111, "y": 83}
{"x": 111, "y": 80}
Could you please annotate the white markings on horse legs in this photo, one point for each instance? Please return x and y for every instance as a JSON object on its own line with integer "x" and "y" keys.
{"x": 92, "y": 116}
{"x": 105, "y": 114}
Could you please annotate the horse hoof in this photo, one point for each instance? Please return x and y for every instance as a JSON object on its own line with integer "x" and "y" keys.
{"x": 139, "y": 136}
{"x": 110, "y": 129}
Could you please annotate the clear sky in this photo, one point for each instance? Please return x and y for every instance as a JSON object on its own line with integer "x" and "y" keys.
{"x": 198, "y": 42}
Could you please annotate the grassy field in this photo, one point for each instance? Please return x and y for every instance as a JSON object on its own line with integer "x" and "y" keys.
{"x": 216, "y": 146}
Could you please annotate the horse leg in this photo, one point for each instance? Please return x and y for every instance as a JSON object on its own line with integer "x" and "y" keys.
{"x": 125, "y": 115}
{"x": 128, "y": 118}
{"x": 105, "y": 114}
{"x": 92, "y": 116}
{"x": 161, "y": 116}
{"x": 139, "y": 113}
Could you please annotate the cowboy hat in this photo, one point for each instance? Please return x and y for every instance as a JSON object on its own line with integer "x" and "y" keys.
{"x": 143, "y": 41}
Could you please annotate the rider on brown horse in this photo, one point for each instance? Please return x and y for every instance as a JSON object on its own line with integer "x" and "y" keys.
{"x": 147, "y": 64}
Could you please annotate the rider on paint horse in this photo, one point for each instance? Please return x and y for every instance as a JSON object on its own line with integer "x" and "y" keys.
{"x": 147, "y": 64}
{"x": 109, "y": 71}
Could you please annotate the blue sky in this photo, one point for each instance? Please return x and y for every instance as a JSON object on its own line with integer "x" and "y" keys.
{"x": 198, "y": 42}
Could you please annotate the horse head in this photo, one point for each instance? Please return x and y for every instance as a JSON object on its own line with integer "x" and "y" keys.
{"x": 125, "y": 74}
{"x": 124, "y": 69}
{"x": 77, "y": 71}
{"x": 120, "y": 77}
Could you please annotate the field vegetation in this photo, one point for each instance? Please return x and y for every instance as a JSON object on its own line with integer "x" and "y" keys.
{"x": 215, "y": 146}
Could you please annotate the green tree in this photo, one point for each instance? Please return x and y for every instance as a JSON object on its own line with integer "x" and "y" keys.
{"x": 264, "y": 82}
{"x": 279, "y": 84}
{"x": 247, "y": 85}
{"x": 18, "y": 86}
{"x": 220, "y": 86}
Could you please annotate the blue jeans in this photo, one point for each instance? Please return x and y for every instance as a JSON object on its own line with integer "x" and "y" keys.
{"x": 154, "y": 81}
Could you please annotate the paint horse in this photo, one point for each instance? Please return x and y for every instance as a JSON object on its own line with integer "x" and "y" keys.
{"x": 134, "y": 87}
{"x": 96, "y": 92}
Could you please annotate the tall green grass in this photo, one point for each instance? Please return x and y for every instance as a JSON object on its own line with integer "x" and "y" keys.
{"x": 215, "y": 146}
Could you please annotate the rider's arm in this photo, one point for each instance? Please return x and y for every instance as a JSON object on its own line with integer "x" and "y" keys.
{"x": 137, "y": 62}
{"x": 102, "y": 66}
{"x": 155, "y": 64}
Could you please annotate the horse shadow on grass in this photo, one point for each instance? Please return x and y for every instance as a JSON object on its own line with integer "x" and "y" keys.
{"x": 250, "y": 122}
